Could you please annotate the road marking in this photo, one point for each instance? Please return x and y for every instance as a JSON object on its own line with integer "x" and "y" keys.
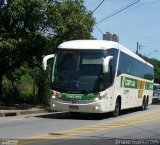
{"x": 47, "y": 137}
{"x": 102, "y": 126}
{"x": 108, "y": 125}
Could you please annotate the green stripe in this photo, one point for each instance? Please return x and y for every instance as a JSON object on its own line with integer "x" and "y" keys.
{"x": 127, "y": 82}
{"x": 149, "y": 86}
{"x": 141, "y": 85}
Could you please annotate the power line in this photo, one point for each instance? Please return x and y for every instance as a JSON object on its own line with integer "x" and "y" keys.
{"x": 132, "y": 9}
{"x": 93, "y": 10}
{"x": 122, "y": 9}
{"x": 151, "y": 46}
{"x": 98, "y": 29}
{"x": 98, "y": 6}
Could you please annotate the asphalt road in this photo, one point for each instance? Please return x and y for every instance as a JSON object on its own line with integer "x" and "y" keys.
{"x": 132, "y": 126}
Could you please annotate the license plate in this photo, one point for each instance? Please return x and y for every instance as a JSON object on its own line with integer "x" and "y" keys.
{"x": 73, "y": 107}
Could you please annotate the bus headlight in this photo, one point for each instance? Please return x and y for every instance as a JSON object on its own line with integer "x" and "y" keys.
{"x": 53, "y": 97}
{"x": 101, "y": 96}
{"x": 96, "y": 108}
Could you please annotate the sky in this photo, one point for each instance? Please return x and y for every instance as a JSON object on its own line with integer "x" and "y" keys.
{"x": 139, "y": 23}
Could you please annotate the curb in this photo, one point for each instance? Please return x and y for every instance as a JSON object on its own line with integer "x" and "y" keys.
{"x": 7, "y": 113}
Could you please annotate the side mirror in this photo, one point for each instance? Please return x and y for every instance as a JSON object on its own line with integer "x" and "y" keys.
{"x": 106, "y": 64}
{"x": 45, "y": 59}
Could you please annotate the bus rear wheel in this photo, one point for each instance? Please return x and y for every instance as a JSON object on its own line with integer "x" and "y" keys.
{"x": 144, "y": 104}
{"x": 116, "y": 111}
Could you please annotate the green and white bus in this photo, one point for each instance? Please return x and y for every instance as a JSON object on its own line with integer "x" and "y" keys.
{"x": 98, "y": 76}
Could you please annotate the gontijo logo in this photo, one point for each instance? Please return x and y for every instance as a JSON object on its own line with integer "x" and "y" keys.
{"x": 128, "y": 82}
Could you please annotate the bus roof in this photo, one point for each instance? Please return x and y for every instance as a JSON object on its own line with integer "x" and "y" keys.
{"x": 97, "y": 45}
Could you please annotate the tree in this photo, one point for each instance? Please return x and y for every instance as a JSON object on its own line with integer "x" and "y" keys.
{"x": 20, "y": 38}
{"x": 156, "y": 65}
{"x": 69, "y": 20}
{"x": 23, "y": 24}
{"x": 66, "y": 20}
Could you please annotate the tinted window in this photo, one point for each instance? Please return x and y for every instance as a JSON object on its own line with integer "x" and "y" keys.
{"x": 113, "y": 63}
{"x": 129, "y": 65}
{"x": 108, "y": 77}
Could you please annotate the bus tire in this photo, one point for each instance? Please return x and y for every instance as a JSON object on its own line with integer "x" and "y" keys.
{"x": 116, "y": 111}
{"x": 144, "y": 104}
{"x": 147, "y": 100}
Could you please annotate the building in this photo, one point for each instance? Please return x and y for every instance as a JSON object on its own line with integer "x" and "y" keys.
{"x": 108, "y": 36}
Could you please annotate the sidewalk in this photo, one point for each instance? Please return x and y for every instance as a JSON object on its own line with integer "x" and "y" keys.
{"x": 15, "y": 110}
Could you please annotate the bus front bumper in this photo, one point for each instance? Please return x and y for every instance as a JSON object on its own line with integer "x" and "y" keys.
{"x": 92, "y": 107}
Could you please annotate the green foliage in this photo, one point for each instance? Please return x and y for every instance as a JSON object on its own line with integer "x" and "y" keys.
{"x": 156, "y": 65}
{"x": 21, "y": 21}
{"x": 69, "y": 20}
{"x": 17, "y": 86}
{"x": 30, "y": 29}
{"x": 20, "y": 39}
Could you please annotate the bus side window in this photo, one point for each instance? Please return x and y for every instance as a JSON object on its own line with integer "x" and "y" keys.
{"x": 108, "y": 78}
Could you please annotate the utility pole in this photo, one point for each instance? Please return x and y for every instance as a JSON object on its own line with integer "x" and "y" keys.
{"x": 137, "y": 51}
{"x": 139, "y": 46}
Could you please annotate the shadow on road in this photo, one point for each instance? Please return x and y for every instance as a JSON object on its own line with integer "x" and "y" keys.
{"x": 84, "y": 116}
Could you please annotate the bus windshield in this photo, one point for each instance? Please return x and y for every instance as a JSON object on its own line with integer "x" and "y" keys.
{"x": 78, "y": 71}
